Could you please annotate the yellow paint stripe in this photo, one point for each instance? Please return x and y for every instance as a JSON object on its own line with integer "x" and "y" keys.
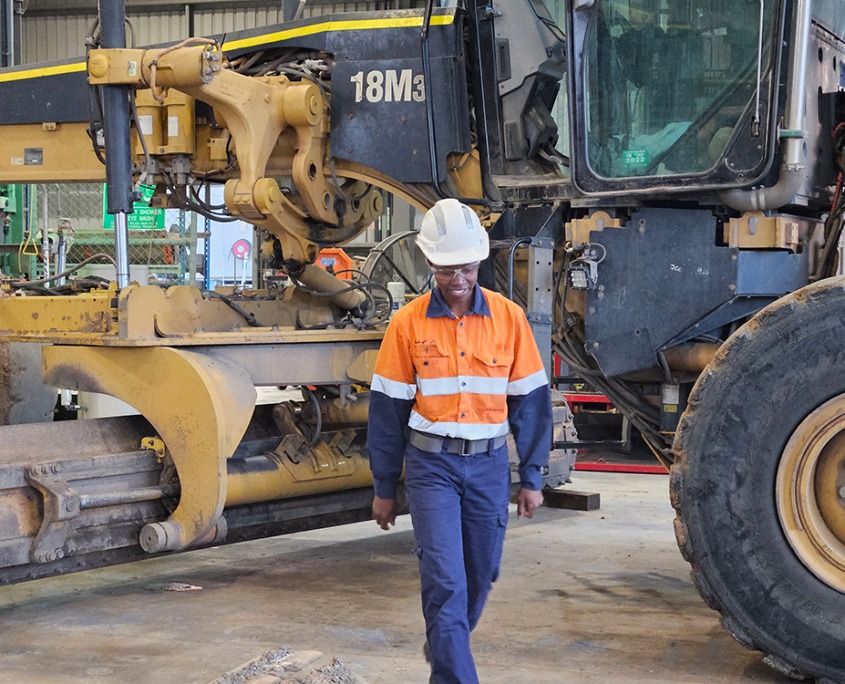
{"x": 341, "y": 25}
{"x": 43, "y": 71}
{"x": 326, "y": 26}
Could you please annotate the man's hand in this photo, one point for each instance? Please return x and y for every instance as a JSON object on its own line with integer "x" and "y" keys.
{"x": 384, "y": 512}
{"x": 527, "y": 501}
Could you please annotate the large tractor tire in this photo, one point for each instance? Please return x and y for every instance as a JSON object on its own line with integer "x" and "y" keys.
{"x": 759, "y": 483}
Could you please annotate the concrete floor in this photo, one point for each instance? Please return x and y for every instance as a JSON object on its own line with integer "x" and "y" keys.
{"x": 584, "y": 597}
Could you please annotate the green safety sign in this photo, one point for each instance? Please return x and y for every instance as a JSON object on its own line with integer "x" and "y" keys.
{"x": 143, "y": 216}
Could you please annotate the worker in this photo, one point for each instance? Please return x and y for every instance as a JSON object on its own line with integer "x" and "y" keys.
{"x": 457, "y": 370}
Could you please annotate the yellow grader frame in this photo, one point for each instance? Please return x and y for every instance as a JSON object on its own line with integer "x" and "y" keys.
{"x": 189, "y": 361}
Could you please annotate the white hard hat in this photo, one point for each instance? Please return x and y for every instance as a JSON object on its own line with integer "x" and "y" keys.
{"x": 451, "y": 234}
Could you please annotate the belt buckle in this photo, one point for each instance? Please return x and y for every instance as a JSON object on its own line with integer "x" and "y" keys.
{"x": 466, "y": 447}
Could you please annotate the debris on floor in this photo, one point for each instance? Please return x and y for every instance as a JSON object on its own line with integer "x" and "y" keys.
{"x": 175, "y": 586}
{"x": 284, "y": 666}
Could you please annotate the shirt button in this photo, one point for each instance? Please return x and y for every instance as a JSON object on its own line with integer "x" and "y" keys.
{"x": 463, "y": 415}
{"x": 463, "y": 353}
{"x": 463, "y": 384}
{"x": 461, "y": 324}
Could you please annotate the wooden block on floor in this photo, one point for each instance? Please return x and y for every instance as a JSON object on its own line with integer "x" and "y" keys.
{"x": 572, "y": 499}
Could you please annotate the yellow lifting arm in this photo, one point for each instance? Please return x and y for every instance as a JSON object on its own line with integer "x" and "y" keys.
{"x": 256, "y": 111}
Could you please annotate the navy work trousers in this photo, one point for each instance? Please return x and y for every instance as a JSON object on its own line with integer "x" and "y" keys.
{"x": 459, "y": 510}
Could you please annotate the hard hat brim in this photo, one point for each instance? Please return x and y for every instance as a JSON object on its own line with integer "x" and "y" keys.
{"x": 456, "y": 258}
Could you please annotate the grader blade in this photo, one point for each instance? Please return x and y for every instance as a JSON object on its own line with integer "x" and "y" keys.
{"x": 76, "y": 495}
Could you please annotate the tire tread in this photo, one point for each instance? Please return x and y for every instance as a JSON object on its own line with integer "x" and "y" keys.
{"x": 715, "y": 378}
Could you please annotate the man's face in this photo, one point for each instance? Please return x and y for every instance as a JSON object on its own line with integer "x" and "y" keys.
{"x": 456, "y": 282}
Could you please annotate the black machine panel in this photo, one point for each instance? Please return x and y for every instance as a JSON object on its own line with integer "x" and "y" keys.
{"x": 55, "y": 92}
{"x": 379, "y": 92}
{"x": 629, "y": 315}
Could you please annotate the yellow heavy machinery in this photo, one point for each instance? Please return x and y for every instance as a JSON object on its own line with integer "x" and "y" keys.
{"x": 662, "y": 181}
{"x": 255, "y": 118}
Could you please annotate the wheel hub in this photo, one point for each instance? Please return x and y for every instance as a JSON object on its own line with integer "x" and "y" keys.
{"x": 810, "y": 492}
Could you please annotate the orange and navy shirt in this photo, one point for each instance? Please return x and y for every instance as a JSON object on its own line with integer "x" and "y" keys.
{"x": 476, "y": 377}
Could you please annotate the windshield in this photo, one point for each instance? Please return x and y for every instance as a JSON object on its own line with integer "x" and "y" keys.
{"x": 668, "y": 81}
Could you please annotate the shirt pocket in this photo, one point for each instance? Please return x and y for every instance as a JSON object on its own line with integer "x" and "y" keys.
{"x": 430, "y": 361}
{"x": 493, "y": 364}
{"x": 491, "y": 371}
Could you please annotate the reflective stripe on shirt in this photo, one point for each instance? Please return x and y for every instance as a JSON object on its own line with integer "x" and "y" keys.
{"x": 393, "y": 389}
{"x": 462, "y": 383}
{"x": 466, "y": 430}
{"x": 527, "y": 385}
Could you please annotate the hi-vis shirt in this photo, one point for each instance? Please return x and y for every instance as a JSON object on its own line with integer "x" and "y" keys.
{"x": 476, "y": 377}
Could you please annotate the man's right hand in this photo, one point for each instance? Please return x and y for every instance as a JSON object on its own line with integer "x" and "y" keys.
{"x": 384, "y": 512}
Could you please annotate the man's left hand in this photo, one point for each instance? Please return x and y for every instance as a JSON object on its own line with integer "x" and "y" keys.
{"x": 528, "y": 501}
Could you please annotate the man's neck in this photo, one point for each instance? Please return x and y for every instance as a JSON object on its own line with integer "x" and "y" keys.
{"x": 460, "y": 308}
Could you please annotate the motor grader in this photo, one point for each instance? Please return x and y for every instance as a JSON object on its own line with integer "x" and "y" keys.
{"x": 662, "y": 182}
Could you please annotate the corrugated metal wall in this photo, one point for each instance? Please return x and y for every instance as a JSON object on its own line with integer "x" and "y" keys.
{"x": 58, "y": 30}
{"x": 40, "y": 37}
{"x": 219, "y": 20}
{"x": 49, "y": 37}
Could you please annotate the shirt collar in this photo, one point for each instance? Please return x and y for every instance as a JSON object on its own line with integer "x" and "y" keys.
{"x": 438, "y": 307}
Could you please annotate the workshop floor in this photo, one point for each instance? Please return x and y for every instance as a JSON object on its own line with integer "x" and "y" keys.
{"x": 584, "y": 597}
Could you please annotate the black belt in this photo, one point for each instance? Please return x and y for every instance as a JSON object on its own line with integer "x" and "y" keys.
{"x": 453, "y": 445}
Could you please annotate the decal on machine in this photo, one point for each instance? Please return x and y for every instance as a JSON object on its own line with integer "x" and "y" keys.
{"x": 388, "y": 85}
